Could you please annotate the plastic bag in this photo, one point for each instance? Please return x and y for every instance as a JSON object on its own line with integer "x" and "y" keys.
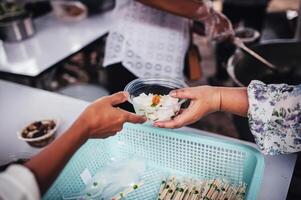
{"x": 113, "y": 181}
{"x": 218, "y": 26}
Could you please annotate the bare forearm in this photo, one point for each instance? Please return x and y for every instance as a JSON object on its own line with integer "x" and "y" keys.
{"x": 216, "y": 25}
{"x": 101, "y": 119}
{"x": 234, "y": 100}
{"x": 185, "y": 8}
{"x": 47, "y": 165}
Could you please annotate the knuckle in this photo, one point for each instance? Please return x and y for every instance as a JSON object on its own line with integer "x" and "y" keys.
{"x": 177, "y": 124}
{"x": 176, "y": 121}
{"x": 182, "y": 91}
{"x": 122, "y": 118}
{"x": 104, "y": 98}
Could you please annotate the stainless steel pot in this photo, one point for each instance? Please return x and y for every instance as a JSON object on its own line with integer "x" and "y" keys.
{"x": 16, "y": 28}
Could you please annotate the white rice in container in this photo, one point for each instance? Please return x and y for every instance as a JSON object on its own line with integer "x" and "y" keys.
{"x": 166, "y": 108}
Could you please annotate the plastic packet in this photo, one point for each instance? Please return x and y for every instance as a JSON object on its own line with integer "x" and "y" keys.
{"x": 113, "y": 181}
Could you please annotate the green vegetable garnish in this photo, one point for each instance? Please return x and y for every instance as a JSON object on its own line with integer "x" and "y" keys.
{"x": 135, "y": 187}
{"x": 240, "y": 193}
{"x": 95, "y": 184}
{"x": 89, "y": 194}
{"x": 163, "y": 182}
{"x": 121, "y": 195}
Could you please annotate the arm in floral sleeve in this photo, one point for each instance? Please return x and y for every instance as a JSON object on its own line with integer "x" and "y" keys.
{"x": 274, "y": 112}
{"x": 275, "y": 117}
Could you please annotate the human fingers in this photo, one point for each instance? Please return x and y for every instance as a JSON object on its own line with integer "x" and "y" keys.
{"x": 133, "y": 118}
{"x": 117, "y": 98}
{"x": 173, "y": 123}
{"x": 185, "y": 93}
{"x": 224, "y": 30}
{"x": 105, "y": 134}
{"x": 186, "y": 117}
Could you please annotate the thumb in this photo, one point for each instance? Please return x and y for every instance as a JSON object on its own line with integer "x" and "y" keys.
{"x": 133, "y": 118}
{"x": 185, "y": 93}
{"x": 118, "y": 98}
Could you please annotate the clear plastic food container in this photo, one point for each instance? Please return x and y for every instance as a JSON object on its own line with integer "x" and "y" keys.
{"x": 155, "y": 86}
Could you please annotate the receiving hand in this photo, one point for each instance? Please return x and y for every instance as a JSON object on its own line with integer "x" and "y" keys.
{"x": 203, "y": 101}
{"x": 101, "y": 119}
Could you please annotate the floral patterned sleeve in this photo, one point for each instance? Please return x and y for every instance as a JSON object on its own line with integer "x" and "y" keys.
{"x": 275, "y": 117}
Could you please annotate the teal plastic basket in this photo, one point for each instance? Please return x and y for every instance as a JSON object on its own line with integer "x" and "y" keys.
{"x": 190, "y": 154}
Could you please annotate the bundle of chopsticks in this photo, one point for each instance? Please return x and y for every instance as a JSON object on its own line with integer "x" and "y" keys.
{"x": 192, "y": 189}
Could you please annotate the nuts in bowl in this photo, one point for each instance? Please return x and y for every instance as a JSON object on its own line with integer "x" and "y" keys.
{"x": 150, "y": 97}
{"x": 39, "y": 133}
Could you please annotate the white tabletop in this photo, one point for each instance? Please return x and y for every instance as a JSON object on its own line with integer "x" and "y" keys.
{"x": 21, "y": 104}
{"x": 54, "y": 41}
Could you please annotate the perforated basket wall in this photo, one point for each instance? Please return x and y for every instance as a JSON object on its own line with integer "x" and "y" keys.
{"x": 194, "y": 155}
